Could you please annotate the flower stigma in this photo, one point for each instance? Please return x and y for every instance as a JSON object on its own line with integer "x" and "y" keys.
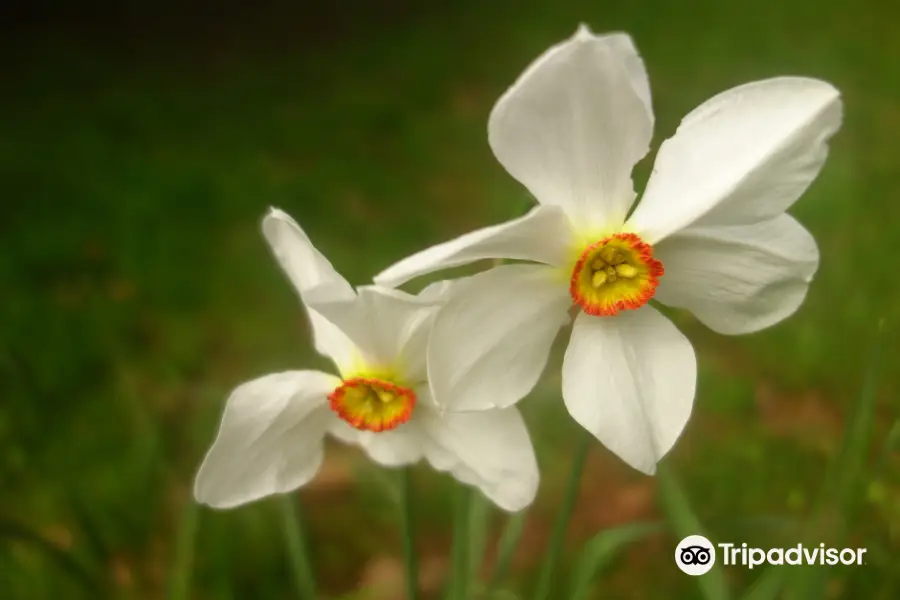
{"x": 372, "y": 404}
{"x": 616, "y": 273}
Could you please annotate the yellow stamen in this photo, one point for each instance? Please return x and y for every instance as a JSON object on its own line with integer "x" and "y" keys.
{"x": 609, "y": 254}
{"x": 626, "y": 270}
{"x": 598, "y": 279}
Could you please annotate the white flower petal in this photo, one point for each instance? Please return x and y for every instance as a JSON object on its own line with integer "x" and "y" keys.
{"x": 739, "y": 279}
{"x": 309, "y": 271}
{"x": 330, "y": 341}
{"x": 343, "y": 431}
{"x": 305, "y": 266}
{"x": 622, "y": 45}
{"x": 630, "y": 381}
{"x": 744, "y": 156}
{"x": 400, "y": 446}
{"x": 385, "y": 325}
{"x": 573, "y": 125}
{"x": 542, "y": 236}
{"x": 414, "y": 352}
{"x": 269, "y": 441}
{"x": 438, "y": 291}
{"x": 490, "y": 341}
{"x": 488, "y": 449}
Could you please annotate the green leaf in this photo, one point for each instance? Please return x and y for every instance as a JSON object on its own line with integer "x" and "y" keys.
{"x": 684, "y": 523}
{"x": 600, "y": 550}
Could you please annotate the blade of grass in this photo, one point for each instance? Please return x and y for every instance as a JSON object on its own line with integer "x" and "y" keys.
{"x": 851, "y": 461}
{"x": 457, "y": 588}
{"x": 183, "y": 567}
{"x": 506, "y": 547}
{"x": 90, "y": 527}
{"x": 545, "y": 577}
{"x": 600, "y": 550}
{"x": 407, "y": 533}
{"x": 891, "y": 444}
{"x": 381, "y": 480}
{"x": 837, "y": 503}
{"x": 742, "y": 525}
{"x": 297, "y": 543}
{"x": 768, "y": 585}
{"x": 684, "y": 522}
{"x": 12, "y": 530}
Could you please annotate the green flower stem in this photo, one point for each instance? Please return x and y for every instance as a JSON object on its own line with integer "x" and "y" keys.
{"x": 407, "y": 532}
{"x": 479, "y": 523}
{"x": 185, "y": 543}
{"x": 545, "y": 578}
{"x": 509, "y": 541}
{"x": 297, "y": 542}
{"x": 457, "y": 589}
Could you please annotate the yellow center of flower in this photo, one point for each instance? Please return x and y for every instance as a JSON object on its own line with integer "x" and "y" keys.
{"x": 372, "y": 404}
{"x": 616, "y": 273}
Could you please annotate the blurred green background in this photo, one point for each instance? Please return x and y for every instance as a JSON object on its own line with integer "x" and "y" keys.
{"x": 139, "y": 149}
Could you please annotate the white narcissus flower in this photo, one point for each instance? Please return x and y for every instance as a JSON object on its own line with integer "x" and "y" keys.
{"x": 271, "y": 437}
{"x": 709, "y": 235}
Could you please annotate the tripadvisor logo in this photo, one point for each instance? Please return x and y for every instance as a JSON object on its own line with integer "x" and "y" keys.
{"x": 732, "y": 554}
{"x": 696, "y": 555}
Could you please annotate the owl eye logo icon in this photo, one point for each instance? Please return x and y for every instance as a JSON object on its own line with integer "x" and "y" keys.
{"x": 695, "y": 555}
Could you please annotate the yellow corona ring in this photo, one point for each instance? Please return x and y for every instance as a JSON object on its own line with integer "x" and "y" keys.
{"x": 372, "y": 404}
{"x": 616, "y": 273}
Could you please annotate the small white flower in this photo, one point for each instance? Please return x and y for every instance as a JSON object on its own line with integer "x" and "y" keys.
{"x": 710, "y": 235}
{"x": 271, "y": 437}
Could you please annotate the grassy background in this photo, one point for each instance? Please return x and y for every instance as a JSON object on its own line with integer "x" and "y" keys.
{"x": 137, "y": 157}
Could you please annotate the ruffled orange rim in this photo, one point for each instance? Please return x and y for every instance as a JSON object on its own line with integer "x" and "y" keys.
{"x": 623, "y": 293}
{"x": 372, "y": 404}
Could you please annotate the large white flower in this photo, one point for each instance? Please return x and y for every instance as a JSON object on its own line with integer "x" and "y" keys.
{"x": 710, "y": 235}
{"x": 272, "y": 432}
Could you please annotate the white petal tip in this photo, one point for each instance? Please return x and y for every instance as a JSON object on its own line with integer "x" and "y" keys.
{"x": 384, "y": 281}
{"x": 273, "y": 217}
{"x": 205, "y": 500}
{"x": 641, "y": 467}
{"x": 205, "y": 496}
{"x": 513, "y": 509}
{"x": 583, "y": 32}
